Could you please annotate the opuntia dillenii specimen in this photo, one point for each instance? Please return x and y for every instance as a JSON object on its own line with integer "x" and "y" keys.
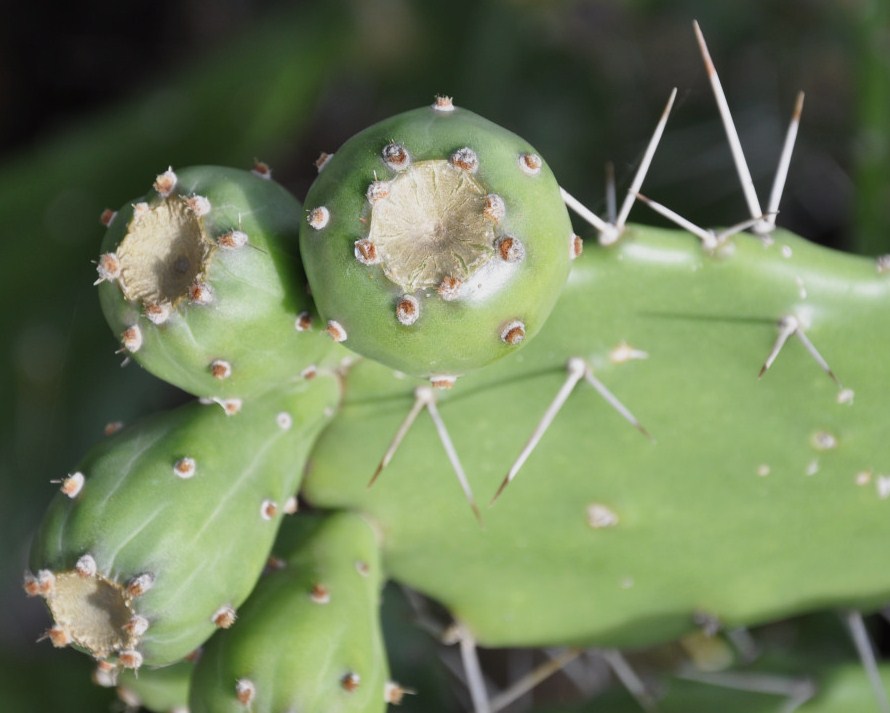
{"x": 435, "y": 242}
{"x": 173, "y": 524}
{"x": 200, "y": 280}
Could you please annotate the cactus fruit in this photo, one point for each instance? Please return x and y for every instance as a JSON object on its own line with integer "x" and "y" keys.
{"x": 160, "y": 690}
{"x": 172, "y": 524}
{"x": 757, "y": 499}
{"x": 201, "y": 279}
{"x": 435, "y": 242}
{"x": 308, "y": 639}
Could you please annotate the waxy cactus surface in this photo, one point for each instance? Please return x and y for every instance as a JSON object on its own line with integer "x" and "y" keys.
{"x": 435, "y": 242}
{"x": 201, "y": 280}
{"x": 755, "y": 499}
{"x": 309, "y": 638}
{"x": 171, "y": 523}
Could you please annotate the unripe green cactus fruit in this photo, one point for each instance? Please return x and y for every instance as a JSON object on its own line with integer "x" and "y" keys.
{"x": 308, "y": 639}
{"x": 201, "y": 281}
{"x": 166, "y": 526}
{"x": 435, "y": 242}
{"x": 160, "y": 690}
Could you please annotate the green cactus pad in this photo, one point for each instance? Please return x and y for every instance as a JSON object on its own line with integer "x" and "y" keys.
{"x": 757, "y": 498}
{"x": 166, "y": 526}
{"x": 435, "y": 242}
{"x": 308, "y": 639}
{"x": 201, "y": 281}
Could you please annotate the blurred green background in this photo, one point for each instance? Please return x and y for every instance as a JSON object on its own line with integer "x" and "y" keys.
{"x": 96, "y": 98}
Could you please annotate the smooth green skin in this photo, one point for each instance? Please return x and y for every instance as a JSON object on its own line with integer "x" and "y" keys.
{"x": 294, "y": 650}
{"x": 160, "y": 690}
{"x": 699, "y": 530}
{"x": 258, "y": 291}
{"x": 449, "y": 337}
{"x": 203, "y": 538}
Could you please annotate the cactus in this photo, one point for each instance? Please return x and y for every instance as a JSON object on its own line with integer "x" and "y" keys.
{"x": 309, "y": 637}
{"x": 749, "y": 501}
{"x": 435, "y": 242}
{"x": 136, "y": 558}
{"x": 201, "y": 280}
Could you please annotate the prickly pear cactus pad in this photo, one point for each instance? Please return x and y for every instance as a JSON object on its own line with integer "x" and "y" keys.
{"x": 308, "y": 639}
{"x": 435, "y": 242}
{"x": 755, "y": 498}
{"x": 165, "y": 527}
{"x": 201, "y": 281}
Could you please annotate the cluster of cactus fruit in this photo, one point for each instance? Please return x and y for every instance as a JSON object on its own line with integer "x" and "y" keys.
{"x": 434, "y": 244}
